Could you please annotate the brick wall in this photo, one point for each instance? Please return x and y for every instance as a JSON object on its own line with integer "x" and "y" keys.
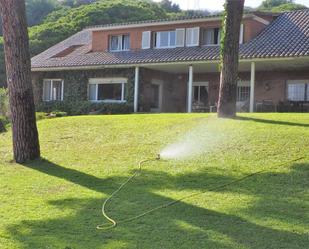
{"x": 100, "y": 39}
{"x": 268, "y": 86}
{"x": 252, "y": 28}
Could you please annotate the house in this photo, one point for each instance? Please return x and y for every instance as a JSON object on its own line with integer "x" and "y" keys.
{"x": 172, "y": 65}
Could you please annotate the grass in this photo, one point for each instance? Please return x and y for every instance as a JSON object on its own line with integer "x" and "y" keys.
{"x": 56, "y": 202}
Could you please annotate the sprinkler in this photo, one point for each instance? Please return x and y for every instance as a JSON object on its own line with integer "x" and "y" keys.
{"x": 158, "y": 157}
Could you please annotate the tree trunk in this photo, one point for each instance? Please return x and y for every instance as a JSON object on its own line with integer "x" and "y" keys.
{"x": 229, "y": 59}
{"x": 18, "y": 69}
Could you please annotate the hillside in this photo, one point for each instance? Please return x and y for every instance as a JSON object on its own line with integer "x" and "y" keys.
{"x": 62, "y": 23}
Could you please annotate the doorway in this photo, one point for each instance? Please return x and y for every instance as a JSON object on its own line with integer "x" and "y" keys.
{"x": 156, "y": 95}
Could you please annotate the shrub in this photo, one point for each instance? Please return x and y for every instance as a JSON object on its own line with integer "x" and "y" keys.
{"x": 58, "y": 114}
{"x": 40, "y": 115}
{"x": 84, "y": 107}
{"x": 3, "y": 122}
{"x": 4, "y": 102}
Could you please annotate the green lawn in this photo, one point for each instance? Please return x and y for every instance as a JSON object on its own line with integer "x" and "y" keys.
{"x": 56, "y": 202}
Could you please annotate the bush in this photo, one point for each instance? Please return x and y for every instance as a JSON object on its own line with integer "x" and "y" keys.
{"x": 4, "y": 102}
{"x": 83, "y": 107}
{"x": 3, "y": 122}
{"x": 58, "y": 114}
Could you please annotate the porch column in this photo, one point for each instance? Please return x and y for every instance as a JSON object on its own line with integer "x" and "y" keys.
{"x": 252, "y": 83}
{"x": 190, "y": 82}
{"x": 136, "y": 81}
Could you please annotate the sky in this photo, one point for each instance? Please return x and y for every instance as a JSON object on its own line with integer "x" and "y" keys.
{"x": 218, "y": 4}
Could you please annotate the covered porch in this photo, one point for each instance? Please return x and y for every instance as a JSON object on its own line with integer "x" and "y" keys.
{"x": 183, "y": 87}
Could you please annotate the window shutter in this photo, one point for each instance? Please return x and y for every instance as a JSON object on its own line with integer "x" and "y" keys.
{"x": 146, "y": 39}
{"x": 46, "y": 90}
{"x": 196, "y": 37}
{"x": 192, "y": 36}
{"x": 180, "y": 37}
{"x": 241, "y": 34}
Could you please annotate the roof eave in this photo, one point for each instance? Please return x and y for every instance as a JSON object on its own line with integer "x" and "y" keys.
{"x": 130, "y": 65}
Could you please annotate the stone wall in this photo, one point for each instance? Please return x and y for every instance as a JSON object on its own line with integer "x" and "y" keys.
{"x": 268, "y": 85}
{"x": 76, "y": 82}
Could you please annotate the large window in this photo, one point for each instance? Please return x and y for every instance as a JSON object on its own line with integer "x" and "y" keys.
{"x": 52, "y": 90}
{"x": 243, "y": 91}
{"x": 211, "y": 36}
{"x": 119, "y": 42}
{"x": 107, "y": 89}
{"x": 200, "y": 93}
{"x": 298, "y": 90}
{"x": 165, "y": 39}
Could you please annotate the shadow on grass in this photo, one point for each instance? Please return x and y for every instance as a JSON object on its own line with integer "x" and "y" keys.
{"x": 180, "y": 226}
{"x": 270, "y": 121}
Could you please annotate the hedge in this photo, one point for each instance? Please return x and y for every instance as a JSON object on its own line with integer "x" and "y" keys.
{"x": 84, "y": 107}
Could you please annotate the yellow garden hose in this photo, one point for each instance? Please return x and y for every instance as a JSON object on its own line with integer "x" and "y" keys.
{"x": 114, "y": 223}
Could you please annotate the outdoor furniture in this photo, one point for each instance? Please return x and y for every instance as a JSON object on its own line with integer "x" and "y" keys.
{"x": 213, "y": 108}
{"x": 242, "y": 106}
{"x": 199, "y": 107}
{"x": 265, "y": 106}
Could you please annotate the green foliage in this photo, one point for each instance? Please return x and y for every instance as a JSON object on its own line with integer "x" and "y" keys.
{"x": 36, "y": 10}
{"x": 76, "y": 3}
{"x": 269, "y": 4}
{"x": 74, "y": 20}
{"x": 3, "y": 123}
{"x": 288, "y": 7}
{"x": 169, "y": 6}
{"x": 53, "y": 114}
{"x": 84, "y": 107}
{"x": 2, "y": 64}
{"x": 222, "y": 36}
{"x": 4, "y": 102}
{"x": 40, "y": 116}
{"x": 280, "y": 5}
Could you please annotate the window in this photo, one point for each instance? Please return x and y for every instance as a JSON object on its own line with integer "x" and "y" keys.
{"x": 119, "y": 42}
{"x": 192, "y": 37}
{"x": 107, "y": 89}
{"x": 165, "y": 39}
{"x": 200, "y": 93}
{"x": 211, "y": 36}
{"x": 66, "y": 51}
{"x": 243, "y": 91}
{"x": 52, "y": 90}
{"x": 298, "y": 90}
{"x": 146, "y": 35}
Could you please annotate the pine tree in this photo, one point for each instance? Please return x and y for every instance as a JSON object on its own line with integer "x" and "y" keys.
{"x": 18, "y": 68}
{"x": 229, "y": 60}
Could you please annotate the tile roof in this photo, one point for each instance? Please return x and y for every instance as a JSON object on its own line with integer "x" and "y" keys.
{"x": 287, "y": 36}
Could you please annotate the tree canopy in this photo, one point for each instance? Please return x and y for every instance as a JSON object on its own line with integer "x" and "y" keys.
{"x": 66, "y": 21}
{"x": 280, "y": 5}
